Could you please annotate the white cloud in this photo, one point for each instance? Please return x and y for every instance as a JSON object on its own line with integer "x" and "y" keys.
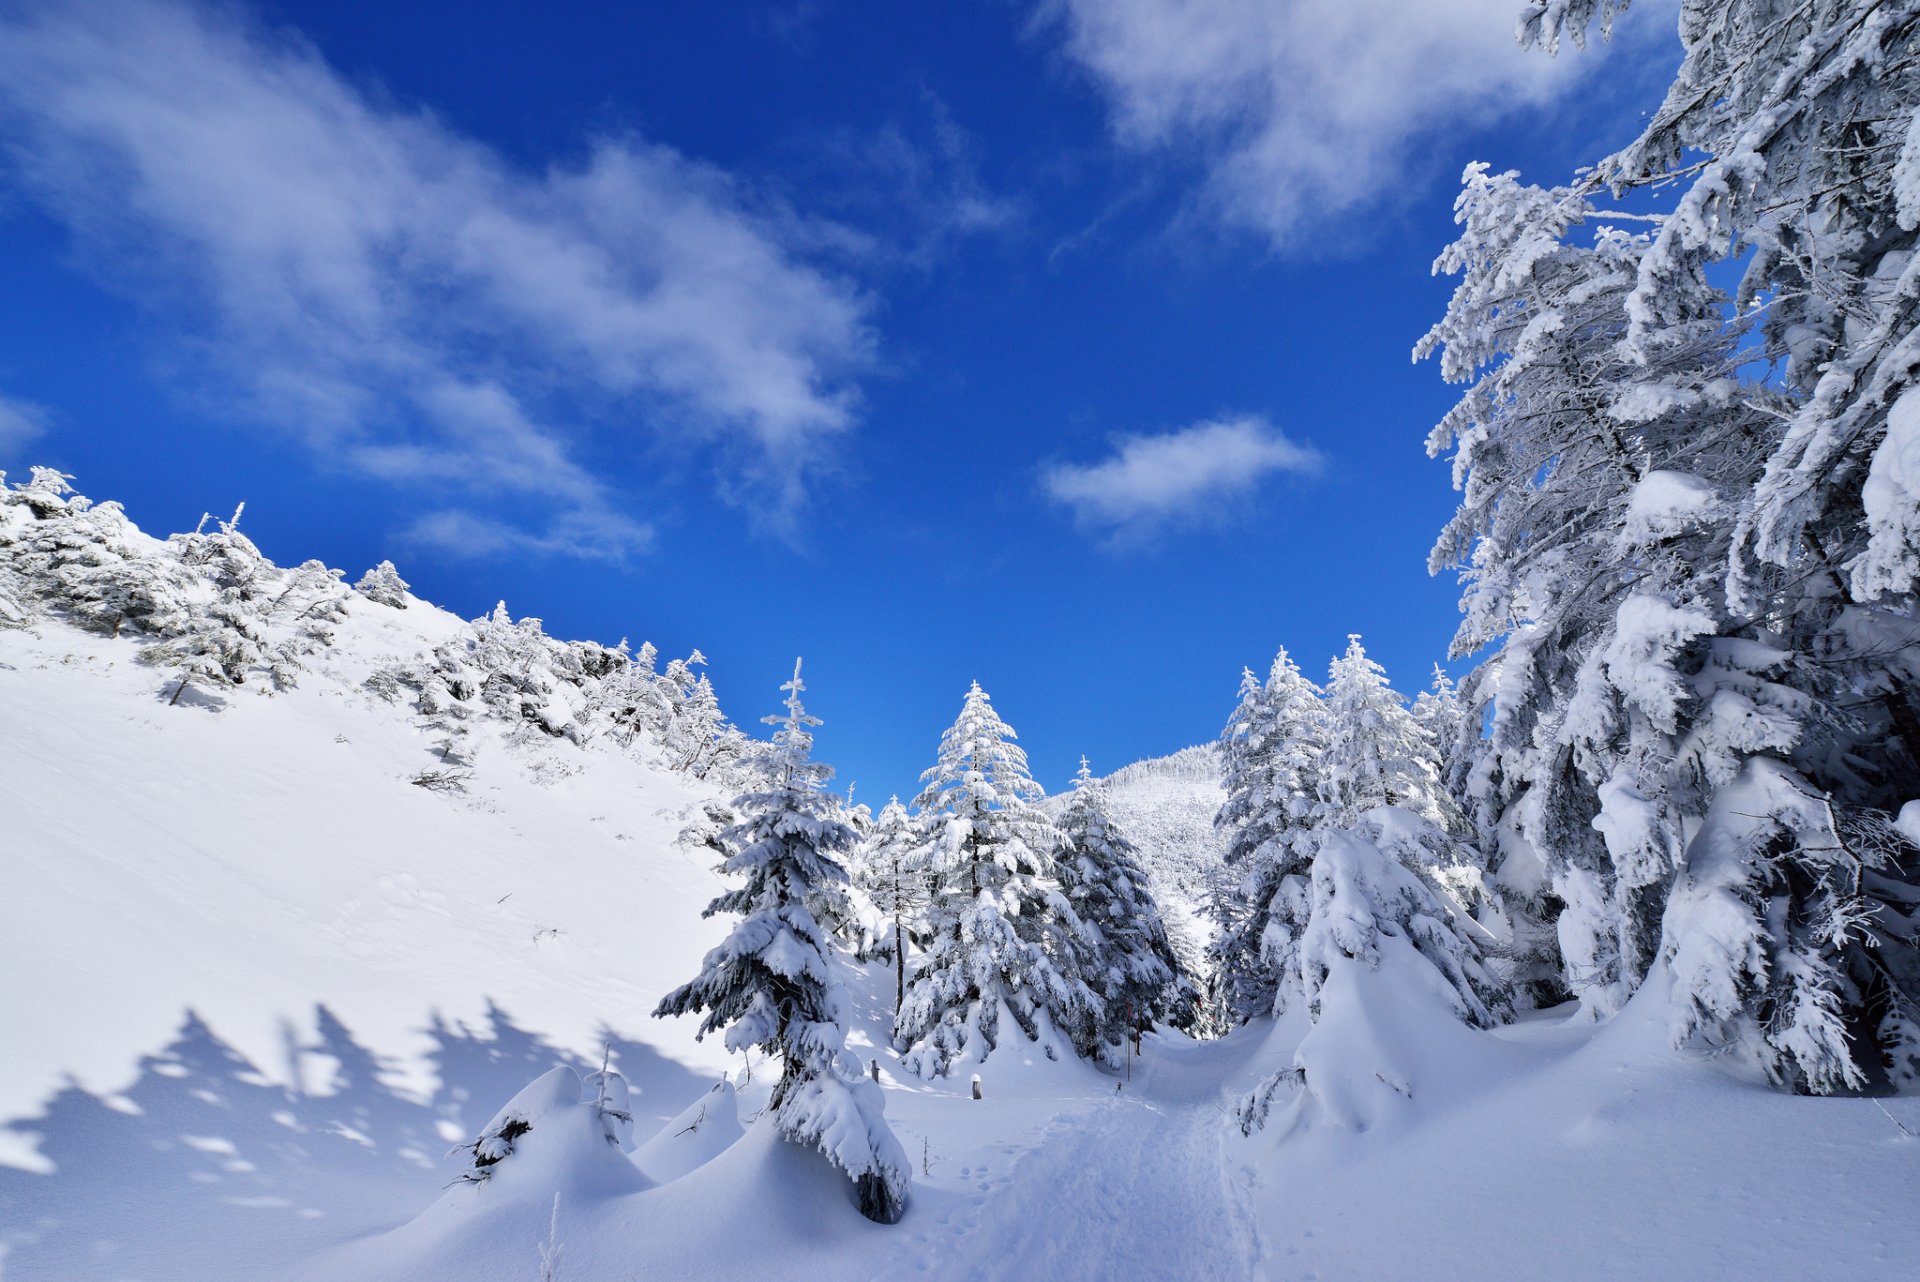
{"x": 19, "y": 423}
{"x": 1184, "y": 477}
{"x": 1301, "y": 111}
{"x": 407, "y": 299}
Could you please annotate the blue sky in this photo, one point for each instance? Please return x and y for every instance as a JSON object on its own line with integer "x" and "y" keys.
{"x": 1062, "y": 346}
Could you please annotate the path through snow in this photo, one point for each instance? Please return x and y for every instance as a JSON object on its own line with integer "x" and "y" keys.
{"x": 1141, "y": 1185}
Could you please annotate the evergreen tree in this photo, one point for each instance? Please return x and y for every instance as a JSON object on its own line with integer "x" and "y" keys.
{"x": 1271, "y": 753}
{"x": 1377, "y": 754}
{"x": 894, "y": 871}
{"x": 1130, "y": 965}
{"x": 770, "y": 983}
{"x": 1687, "y": 526}
{"x": 1002, "y": 936}
{"x": 384, "y": 586}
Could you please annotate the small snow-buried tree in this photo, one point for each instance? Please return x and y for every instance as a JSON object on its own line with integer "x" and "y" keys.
{"x": 1382, "y": 943}
{"x": 770, "y": 983}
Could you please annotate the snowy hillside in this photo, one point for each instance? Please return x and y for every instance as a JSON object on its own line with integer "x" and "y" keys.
{"x": 263, "y": 958}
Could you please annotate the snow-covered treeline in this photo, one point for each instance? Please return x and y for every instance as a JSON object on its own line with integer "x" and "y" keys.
{"x": 213, "y": 616}
{"x": 1689, "y": 532}
{"x": 1004, "y": 920}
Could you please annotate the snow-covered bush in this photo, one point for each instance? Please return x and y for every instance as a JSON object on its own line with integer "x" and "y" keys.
{"x": 383, "y": 584}
{"x": 1382, "y": 954}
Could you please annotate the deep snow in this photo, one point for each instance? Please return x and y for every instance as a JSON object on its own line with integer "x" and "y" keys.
{"x": 258, "y": 985}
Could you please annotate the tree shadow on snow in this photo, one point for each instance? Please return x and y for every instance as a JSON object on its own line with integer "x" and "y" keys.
{"x": 206, "y": 1168}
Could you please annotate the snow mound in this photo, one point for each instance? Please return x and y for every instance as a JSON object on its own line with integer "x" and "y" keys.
{"x": 697, "y": 1134}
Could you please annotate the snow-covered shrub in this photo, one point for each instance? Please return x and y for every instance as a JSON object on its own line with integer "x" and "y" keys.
{"x": 1383, "y": 953}
{"x": 383, "y": 585}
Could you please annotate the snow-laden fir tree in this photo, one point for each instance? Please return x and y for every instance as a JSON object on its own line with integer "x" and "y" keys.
{"x": 771, "y": 984}
{"x": 383, "y": 584}
{"x": 1687, "y": 527}
{"x": 1001, "y": 953}
{"x": 1271, "y": 754}
{"x": 895, "y": 873}
{"x": 1376, "y": 754}
{"x": 1129, "y": 962}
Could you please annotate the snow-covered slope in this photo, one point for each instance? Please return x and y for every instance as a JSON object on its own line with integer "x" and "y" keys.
{"x": 244, "y": 947}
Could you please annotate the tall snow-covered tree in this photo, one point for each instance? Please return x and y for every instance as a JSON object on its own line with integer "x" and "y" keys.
{"x": 1686, "y": 525}
{"x": 1130, "y": 964}
{"x": 1002, "y": 937}
{"x": 770, "y": 984}
{"x": 894, "y": 870}
{"x": 1270, "y": 750}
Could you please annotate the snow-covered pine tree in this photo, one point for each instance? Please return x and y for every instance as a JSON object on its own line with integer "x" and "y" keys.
{"x": 80, "y": 561}
{"x": 384, "y": 586}
{"x": 1240, "y": 980}
{"x": 1377, "y": 754}
{"x": 1701, "y": 589}
{"x": 1366, "y": 928}
{"x": 222, "y": 642}
{"x": 1001, "y": 943}
{"x": 896, "y": 876}
{"x": 1270, "y": 750}
{"x": 225, "y": 639}
{"x": 1130, "y": 964}
{"x": 770, "y": 984}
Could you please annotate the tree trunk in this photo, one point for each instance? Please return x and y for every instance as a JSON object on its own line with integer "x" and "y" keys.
{"x": 900, "y": 966}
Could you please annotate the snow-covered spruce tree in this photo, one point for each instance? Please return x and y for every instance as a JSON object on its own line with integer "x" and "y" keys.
{"x": 626, "y": 701}
{"x": 770, "y": 983}
{"x": 1376, "y": 754}
{"x": 1241, "y": 982}
{"x": 1129, "y": 962}
{"x": 1699, "y": 589}
{"x": 307, "y": 607}
{"x": 1002, "y": 938}
{"x": 1270, "y": 752}
{"x": 384, "y": 586}
{"x": 893, "y": 869}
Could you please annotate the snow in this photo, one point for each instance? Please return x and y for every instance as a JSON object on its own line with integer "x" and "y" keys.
{"x": 1891, "y": 496}
{"x": 1665, "y": 503}
{"x": 376, "y": 971}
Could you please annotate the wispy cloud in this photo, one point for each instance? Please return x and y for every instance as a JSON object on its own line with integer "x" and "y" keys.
{"x": 1301, "y": 112}
{"x": 20, "y": 422}
{"x": 904, "y": 194}
{"x": 1185, "y": 477}
{"x": 414, "y": 304}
